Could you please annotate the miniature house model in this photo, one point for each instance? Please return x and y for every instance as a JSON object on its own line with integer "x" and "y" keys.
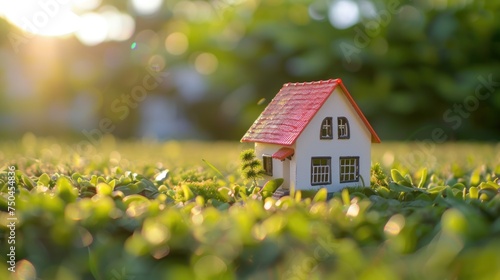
{"x": 313, "y": 135}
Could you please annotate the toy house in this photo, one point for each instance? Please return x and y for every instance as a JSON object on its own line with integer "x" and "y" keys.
{"x": 313, "y": 135}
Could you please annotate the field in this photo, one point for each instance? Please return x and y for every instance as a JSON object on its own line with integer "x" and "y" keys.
{"x": 181, "y": 210}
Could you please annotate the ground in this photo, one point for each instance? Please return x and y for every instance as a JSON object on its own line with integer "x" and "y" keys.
{"x": 181, "y": 210}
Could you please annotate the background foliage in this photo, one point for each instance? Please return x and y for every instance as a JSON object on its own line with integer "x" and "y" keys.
{"x": 407, "y": 63}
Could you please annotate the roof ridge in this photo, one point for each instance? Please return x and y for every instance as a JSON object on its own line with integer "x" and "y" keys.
{"x": 329, "y": 81}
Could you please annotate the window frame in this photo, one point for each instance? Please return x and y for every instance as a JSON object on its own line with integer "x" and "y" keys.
{"x": 267, "y": 164}
{"x": 324, "y": 128}
{"x": 349, "y": 173}
{"x": 342, "y": 121}
{"x": 316, "y": 171}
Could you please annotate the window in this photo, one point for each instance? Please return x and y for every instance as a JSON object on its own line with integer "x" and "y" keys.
{"x": 267, "y": 162}
{"x": 343, "y": 127}
{"x": 321, "y": 171}
{"x": 349, "y": 169}
{"x": 326, "y": 129}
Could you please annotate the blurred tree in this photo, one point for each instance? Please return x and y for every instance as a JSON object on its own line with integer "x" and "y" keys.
{"x": 412, "y": 66}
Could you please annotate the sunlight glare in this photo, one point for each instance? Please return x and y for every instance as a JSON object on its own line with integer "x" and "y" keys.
{"x": 86, "y": 5}
{"x": 353, "y": 210}
{"x": 146, "y": 7}
{"x": 45, "y": 18}
{"x": 343, "y": 14}
{"x": 120, "y": 26}
{"x": 94, "y": 29}
{"x": 395, "y": 224}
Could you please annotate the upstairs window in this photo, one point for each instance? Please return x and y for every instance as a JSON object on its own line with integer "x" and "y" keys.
{"x": 267, "y": 164}
{"x": 326, "y": 129}
{"x": 343, "y": 128}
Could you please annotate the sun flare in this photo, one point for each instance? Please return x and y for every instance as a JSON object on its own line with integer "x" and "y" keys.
{"x": 44, "y": 18}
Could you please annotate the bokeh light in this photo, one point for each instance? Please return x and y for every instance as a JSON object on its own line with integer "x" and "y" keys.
{"x": 197, "y": 11}
{"x": 157, "y": 62}
{"x": 395, "y": 225}
{"x": 367, "y": 9}
{"x": 148, "y": 38}
{"x": 93, "y": 30}
{"x": 120, "y": 26}
{"x": 206, "y": 63}
{"x": 343, "y": 14}
{"x": 85, "y": 5}
{"x": 44, "y": 18}
{"x": 315, "y": 11}
{"x": 146, "y": 7}
{"x": 176, "y": 43}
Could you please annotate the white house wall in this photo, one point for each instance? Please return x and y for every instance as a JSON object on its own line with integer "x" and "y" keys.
{"x": 310, "y": 145}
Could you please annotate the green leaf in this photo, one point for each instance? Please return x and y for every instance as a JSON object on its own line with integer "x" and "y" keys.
{"x": 134, "y": 198}
{"x": 488, "y": 185}
{"x": 475, "y": 177}
{"x": 396, "y": 176}
{"x": 93, "y": 180}
{"x": 28, "y": 182}
{"x": 383, "y": 192}
{"x": 65, "y": 190}
{"x": 187, "y": 192}
{"x": 321, "y": 195}
{"x": 134, "y": 188}
{"x": 75, "y": 176}
{"x": 408, "y": 180}
{"x": 436, "y": 189}
{"x": 148, "y": 185}
{"x": 104, "y": 189}
{"x": 225, "y": 192}
{"x": 271, "y": 186}
{"x": 458, "y": 186}
{"x": 345, "y": 197}
{"x": 298, "y": 196}
{"x": 423, "y": 178}
{"x": 400, "y": 188}
{"x": 487, "y": 194}
{"x": 44, "y": 179}
{"x": 474, "y": 192}
{"x": 423, "y": 196}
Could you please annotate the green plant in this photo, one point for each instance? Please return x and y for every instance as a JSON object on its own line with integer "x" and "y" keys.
{"x": 378, "y": 177}
{"x": 107, "y": 221}
{"x": 251, "y": 167}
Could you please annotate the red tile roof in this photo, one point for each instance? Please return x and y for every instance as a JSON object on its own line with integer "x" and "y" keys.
{"x": 292, "y": 109}
{"x": 283, "y": 153}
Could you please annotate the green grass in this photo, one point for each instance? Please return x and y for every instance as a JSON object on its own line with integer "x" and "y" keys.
{"x": 137, "y": 210}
